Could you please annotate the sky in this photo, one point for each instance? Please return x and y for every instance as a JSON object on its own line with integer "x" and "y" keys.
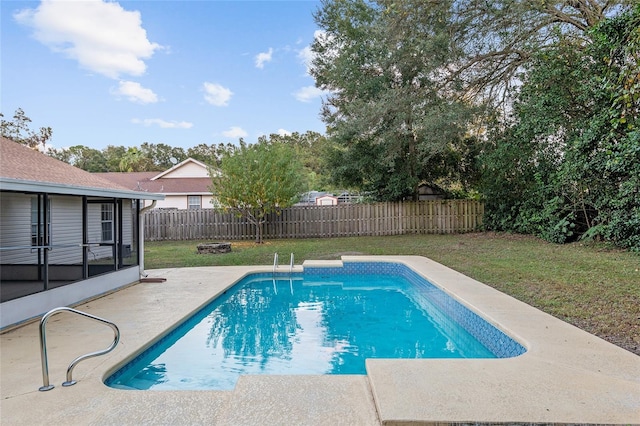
{"x": 181, "y": 73}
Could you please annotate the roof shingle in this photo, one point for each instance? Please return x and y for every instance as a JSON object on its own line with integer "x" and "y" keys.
{"x": 141, "y": 181}
{"x": 25, "y": 164}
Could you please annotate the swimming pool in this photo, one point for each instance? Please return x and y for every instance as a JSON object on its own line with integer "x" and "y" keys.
{"x": 322, "y": 321}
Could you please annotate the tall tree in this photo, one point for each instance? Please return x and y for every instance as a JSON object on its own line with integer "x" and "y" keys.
{"x": 134, "y": 160}
{"x": 19, "y": 131}
{"x": 256, "y": 180}
{"x": 391, "y": 125}
{"x": 310, "y": 148}
{"x": 162, "y": 155}
{"x": 85, "y": 158}
{"x": 568, "y": 164}
{"x": 496, "y": 39}
{"x": 113, "y": 154}
{"x": 209, "y": 154}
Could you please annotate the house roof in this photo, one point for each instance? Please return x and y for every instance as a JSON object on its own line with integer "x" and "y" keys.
{"x": 26, "y": 170}
{"x": 172, "y": 181}
{"x": 143, "y": 181}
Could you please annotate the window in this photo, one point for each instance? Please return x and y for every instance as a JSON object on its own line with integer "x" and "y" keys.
{"x": 107, "y": 222}
{"x": 194, "y": 201}
{"x": 37, "y": 226}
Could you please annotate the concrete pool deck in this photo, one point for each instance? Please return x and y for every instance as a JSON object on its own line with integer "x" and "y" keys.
{"x": 567, "y": 376}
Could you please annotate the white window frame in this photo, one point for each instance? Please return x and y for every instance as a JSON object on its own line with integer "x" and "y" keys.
{"x": 106, "y": 222}
{"x": 192, "y": 205}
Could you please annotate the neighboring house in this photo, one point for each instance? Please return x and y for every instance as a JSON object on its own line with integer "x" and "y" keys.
{"x": 309, "y": 198}
{"x": 185, "y": 185}
{"x": 317, "y": 198}
{"x": 65, "y": 235}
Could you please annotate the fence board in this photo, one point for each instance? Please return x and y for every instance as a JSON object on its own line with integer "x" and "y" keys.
{"x": 343, "y": 220}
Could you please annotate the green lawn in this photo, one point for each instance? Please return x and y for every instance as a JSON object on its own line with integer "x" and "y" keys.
{"x": 588, "y": 285}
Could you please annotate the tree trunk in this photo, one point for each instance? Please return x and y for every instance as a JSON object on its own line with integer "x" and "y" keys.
{"x": 259, "y": 231}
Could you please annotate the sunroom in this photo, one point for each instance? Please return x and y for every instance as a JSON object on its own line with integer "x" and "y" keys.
{"x": 65, "y": 235}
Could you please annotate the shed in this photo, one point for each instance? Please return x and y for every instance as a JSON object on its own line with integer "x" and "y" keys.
{"x": 326, "y": 200}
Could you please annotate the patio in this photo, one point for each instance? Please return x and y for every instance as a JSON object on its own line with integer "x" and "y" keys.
{"x": 567, "y": 375}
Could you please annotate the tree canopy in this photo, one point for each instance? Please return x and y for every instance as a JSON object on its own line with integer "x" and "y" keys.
{"x": 256, "y": 180}
{"x": 534, "y": 103}
{"x": 18, "y": 130}
{"x": 391, "y": 125}
{"x": 568, "y": 164}
{"x": 495, "y": 39}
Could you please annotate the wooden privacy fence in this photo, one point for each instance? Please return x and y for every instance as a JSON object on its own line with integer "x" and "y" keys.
{"x": 342, "y": 220}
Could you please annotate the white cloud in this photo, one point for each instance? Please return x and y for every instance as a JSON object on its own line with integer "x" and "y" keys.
{"x": 102, "y": 36}
{"x": 309, "y": 93}
{"x": 216, "y": 94}
{"x": 163, "y": 123}
{"x": 134, "y": 92}
{"x": 263, "y": 57}
{"x": 306, "y": 57}
{"x": 284, "y": 132}
{"x": 235, "y": 132}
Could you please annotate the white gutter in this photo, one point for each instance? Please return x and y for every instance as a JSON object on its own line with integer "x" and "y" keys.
{"x": 19, "y": 185}
{"x": 143, "y": 274}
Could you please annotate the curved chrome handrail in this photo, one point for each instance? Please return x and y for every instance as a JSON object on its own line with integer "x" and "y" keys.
{"x": 43, "y": 346}
{"x": 275, "y": 262}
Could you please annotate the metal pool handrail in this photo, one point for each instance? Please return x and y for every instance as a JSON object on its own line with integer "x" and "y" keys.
{"x": 43, "y": 346}
{"x": 275, "y": 262}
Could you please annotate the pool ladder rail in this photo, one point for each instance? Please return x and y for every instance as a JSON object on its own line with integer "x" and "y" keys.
{"x": 275, "y": 264}
{"x": 43, "y": 346}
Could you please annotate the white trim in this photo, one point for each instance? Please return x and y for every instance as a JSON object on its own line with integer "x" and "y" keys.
{"x": 187, "y": 193}
{"x": 8, "y": 184}
{"x": 177, "y": 166}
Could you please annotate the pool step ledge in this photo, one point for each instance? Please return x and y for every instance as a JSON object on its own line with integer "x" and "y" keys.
{"x": 322, "y": 264}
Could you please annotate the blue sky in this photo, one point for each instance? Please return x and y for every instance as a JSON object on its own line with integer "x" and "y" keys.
{"x": 175, "y": 72}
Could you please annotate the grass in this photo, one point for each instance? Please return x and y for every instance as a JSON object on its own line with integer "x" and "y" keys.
{"x": 589, "y": 285}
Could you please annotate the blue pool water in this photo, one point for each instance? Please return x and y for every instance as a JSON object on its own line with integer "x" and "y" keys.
{"x": 324, "y": 321}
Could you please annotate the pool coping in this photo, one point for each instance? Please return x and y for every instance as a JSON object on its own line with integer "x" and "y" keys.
{"x": 566, "y": 375}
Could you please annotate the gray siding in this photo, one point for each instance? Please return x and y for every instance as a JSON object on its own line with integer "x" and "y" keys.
{"x": 66, "y": 229}
{"x": 15, "y": 227}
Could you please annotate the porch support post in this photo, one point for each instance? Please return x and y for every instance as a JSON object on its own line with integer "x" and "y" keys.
{"x": 85, "y": 238}
{"x": 46, "y": 240}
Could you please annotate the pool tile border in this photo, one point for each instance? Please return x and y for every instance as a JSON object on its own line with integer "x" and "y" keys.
{"x": 497, "y": 341}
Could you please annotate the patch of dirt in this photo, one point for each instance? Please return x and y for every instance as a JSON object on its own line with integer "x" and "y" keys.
{"x": 249, "y": 244}
{"x": 498, "y": 235}
{"x": 624, "y": 337}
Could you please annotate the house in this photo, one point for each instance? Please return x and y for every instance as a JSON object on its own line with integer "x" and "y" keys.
{"x": 66, "y": 235}
{"x": 185, "y": 185}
